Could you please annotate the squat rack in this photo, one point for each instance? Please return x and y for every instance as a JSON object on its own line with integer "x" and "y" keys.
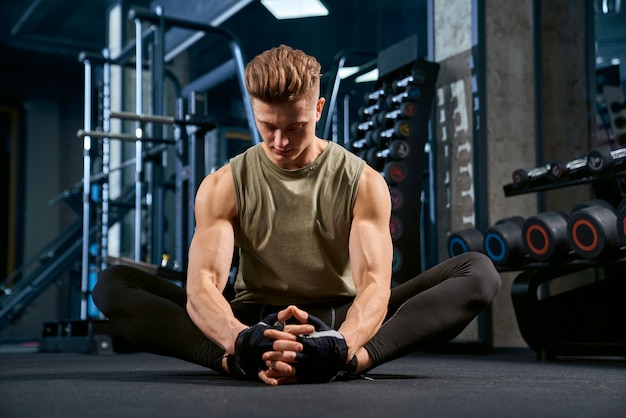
{"x": 189, "y": 170}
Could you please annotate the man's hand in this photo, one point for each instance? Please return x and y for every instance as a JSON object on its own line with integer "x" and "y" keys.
{"x": 280, "y": 369}
{"x": 308, "y": 353}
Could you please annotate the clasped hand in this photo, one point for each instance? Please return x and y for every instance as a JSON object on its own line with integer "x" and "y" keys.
{"x": 280, "y": 362}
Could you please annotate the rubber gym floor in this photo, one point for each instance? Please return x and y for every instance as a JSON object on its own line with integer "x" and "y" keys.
{"x": 510, "y": 383}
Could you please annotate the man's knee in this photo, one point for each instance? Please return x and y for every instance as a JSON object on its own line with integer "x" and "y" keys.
{"x": 485, "y": 277}
{"x": 109, "y": 281}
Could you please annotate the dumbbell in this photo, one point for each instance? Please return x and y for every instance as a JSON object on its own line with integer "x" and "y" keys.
{"x": 405, "y": 111}
{"x": 397, "y": 198}
{"x": 416, "y": 77}
{"x": 503, "y": 242}
{"x": 621, "y": 221}
{"x": 464, "y": 241}
{"x": 592, "y": 232}
{"x": 545, "y": 237}
{"x": 400, "y": 129}
{"x": 358, "y": 129}
{"x": 559, "y": 170}
{"x": 601, "y": 160}
{"x": 368, "y": 111}
{"x": 398, "y": 149}
{"x": 394, "y": 172}
{"x": 522, "y": 176}
{"x": 396, "y": 227}
{"x": 410, "y": 94}
{"x": 377, "y": 94}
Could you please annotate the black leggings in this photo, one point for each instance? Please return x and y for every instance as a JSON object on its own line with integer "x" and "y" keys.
{"x": 433, "y": 307}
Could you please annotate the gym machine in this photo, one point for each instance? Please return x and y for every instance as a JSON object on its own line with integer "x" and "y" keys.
{"x": 87, "y": 242}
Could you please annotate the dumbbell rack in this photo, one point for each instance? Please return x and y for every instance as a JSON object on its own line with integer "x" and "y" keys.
{"x": 391, "y": 135}
{"x": 590, "y": 319}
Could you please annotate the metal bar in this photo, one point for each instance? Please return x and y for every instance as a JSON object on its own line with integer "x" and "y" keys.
{"x": 138, "y": 143}
{"x": 122, "y": 137}
{"x": 232, "y": 44}
{"x": 84, "y": 287}
{"x": 106, "y": 160}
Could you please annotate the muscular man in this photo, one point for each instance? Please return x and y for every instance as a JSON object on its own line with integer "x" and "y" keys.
{"x": 311, "y": 223}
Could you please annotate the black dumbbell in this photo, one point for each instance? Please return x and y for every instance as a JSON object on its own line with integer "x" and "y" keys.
{"x": 394, "y": 172}
{"x": 400, "y": 129}
{"x": 405, "y": 111}
{"x": 545, "y": 237}
{"x": 416, "y": 77}
{"x": 521, "y": 176}
{"x": 397, "y": 198}
{"x": 591, "y": 230}
{"x": 396, "y": 227}
{"x": 464, "y": 241}
{"x": 409, "y": 95}
{"x": 358, "y": 129}
{"x": 368, "y": 111}
{"x": 503, "y": 242}
{"x": 601, "y": 160}
{"x": 398, "y": 149}
{"x": 377, "y": 94}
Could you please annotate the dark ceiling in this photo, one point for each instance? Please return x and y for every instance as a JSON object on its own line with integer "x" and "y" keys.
{"x": 41, "y": 39}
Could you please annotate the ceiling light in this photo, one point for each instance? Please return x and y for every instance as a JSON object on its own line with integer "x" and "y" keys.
{"x": 294, "y": 9}
{"x": 369, "y": 76}
{"x": 346, "y": 72}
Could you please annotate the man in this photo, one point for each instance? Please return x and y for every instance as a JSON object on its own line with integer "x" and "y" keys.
{"x": 311, "y": 222}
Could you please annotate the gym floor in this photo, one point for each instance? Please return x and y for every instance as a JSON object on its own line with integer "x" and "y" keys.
{"x": 504, "y": 384}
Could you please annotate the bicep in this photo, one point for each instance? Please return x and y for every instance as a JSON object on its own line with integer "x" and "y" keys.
{"x": 371, "y": 248}
{"x": 211, "y": 249}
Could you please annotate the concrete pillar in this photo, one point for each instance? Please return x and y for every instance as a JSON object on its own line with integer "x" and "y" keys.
{"x": 517, "y": 133}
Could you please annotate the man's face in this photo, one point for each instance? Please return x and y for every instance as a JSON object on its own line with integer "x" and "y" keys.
{"x": 288, "y": 130}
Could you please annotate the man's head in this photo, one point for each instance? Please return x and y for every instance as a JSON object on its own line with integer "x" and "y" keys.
{"x": 283, "y": 75}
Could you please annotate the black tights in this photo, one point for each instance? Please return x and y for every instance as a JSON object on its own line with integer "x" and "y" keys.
{"x": 435, "y": 306}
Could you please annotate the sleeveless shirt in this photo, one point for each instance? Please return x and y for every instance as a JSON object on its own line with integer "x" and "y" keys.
{"x": 294, "y": 227}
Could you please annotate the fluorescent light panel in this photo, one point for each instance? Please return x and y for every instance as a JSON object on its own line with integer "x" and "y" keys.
{"x": 295, "y": 9}
{"x": 367, "y": 77}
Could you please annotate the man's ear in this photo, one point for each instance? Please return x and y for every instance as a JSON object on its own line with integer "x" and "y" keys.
{"x": 319, "y": 107}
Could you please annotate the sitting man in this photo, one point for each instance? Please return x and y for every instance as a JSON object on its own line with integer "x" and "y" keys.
{"x": 311, "y": 223}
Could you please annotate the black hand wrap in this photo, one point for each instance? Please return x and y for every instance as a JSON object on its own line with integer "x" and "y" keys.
{"x": 324, "y": 356}
{"x": 249, "y": 348}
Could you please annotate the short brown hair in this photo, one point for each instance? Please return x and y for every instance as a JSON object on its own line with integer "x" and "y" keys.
{"x": 283, "y": 75}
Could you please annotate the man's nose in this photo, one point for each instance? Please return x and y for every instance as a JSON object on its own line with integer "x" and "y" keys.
{"x": 280, "y": 139}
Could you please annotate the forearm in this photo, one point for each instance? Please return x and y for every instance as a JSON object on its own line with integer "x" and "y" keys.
{"x": 365, "y": 316}
{"x": 212, "y": 314}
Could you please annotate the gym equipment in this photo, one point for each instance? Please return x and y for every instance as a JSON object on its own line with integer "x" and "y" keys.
{"x": 603, "y": 160}
{"x": 464, "y": 241}
{"x": 545, "y": 237}
{"x": 592, "y": 232}
{"x": 398, "y": 149}
{"x": 416, "y": 77}
{"x": 395, "y": 172}
{"x": 396, "y": 227}
{"x": 410, "y": 94}
{"x": 405, "y": 111}
{"x": 397, "y": 198}
{"x": 503, "y": 242}
{"x": 586, "y": 320}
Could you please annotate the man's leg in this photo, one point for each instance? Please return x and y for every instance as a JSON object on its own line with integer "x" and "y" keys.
{"x": 434, "y": 307}
{"x": 151, "y": 313}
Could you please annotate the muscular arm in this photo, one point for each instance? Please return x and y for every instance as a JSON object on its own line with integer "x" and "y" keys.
{"x": 371, "y": 256}
{"x": 210, "y": 257}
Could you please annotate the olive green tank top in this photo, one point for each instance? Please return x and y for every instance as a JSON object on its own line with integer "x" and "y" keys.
{"x": 294, "y": 227}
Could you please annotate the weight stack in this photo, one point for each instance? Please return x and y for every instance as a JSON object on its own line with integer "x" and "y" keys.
{"x": 391, "y": 136}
